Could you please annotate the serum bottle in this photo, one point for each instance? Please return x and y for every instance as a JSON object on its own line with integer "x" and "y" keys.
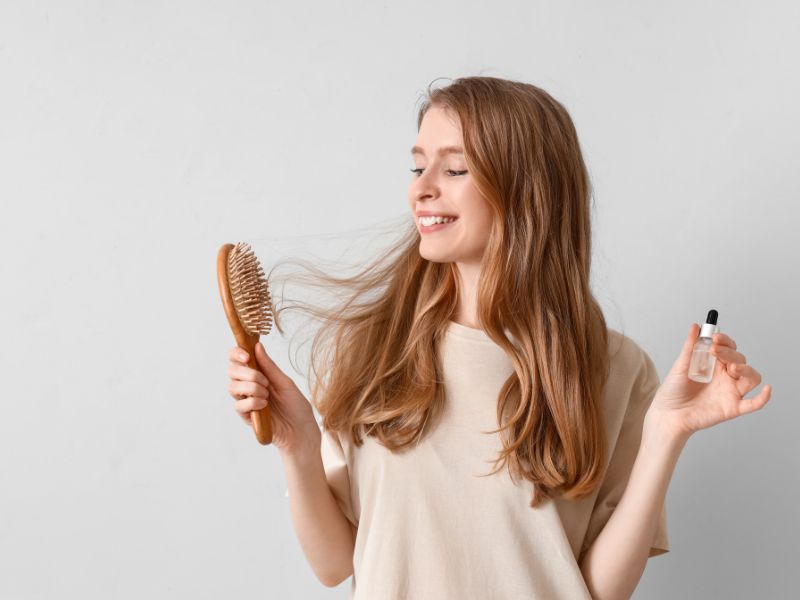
{"x": 701, "y": 365}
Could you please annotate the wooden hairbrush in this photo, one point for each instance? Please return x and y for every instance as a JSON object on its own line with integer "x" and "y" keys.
{"x": 248, "y": 306}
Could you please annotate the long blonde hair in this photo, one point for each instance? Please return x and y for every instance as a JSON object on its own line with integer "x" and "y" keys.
{"x": 374, "y": 363}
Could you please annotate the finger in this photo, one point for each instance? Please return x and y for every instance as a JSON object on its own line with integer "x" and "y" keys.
{"x": 748, "y": 405}
{"x": 247, "y": 388}
{"x": 747, "y": 378}
{"x": 735, "y": 370}
{"x": 727, "y": 355}
{"x": 246, "y": 418}
{"x": 233, "y": 391}
{"x": 238, "y": 355}
{"x": 244, "y": 373}
{"x": 250, "y": 403}
{"x": 723, "y": 339}
{"x": 681, "y": 365}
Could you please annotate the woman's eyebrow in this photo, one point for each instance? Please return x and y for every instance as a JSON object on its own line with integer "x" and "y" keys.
{"x": 441, "y": 151}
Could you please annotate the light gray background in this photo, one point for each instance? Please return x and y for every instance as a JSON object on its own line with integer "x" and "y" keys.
{"x": 137, "y": 137}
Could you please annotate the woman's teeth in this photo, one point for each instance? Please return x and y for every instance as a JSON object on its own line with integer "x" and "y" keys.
{"x": 428, "y": 221}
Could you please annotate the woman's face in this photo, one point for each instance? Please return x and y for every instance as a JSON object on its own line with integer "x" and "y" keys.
{"x": 441, "y": 186}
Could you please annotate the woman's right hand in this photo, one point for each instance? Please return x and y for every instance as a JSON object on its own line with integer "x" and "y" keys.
{"x": 294, "y": 428}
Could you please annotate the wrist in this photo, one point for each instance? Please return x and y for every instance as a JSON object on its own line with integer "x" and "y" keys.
{"x": 661, "y": 424}
{"x": 304, "y": 450}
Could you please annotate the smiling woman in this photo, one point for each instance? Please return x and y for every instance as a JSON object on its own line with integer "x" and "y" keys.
{"x": 476, "y": 341}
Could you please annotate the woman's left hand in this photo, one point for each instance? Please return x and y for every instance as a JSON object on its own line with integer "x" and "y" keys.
{"x": 686, "y": 406}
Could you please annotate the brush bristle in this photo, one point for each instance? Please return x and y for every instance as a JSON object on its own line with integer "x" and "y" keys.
{"x": 249, "y": 290}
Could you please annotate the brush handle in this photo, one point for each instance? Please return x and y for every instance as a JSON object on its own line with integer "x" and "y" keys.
{"x": 261, "y": 419}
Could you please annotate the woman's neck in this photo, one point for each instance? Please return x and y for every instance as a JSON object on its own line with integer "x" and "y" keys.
{"x": 467, "y": 307}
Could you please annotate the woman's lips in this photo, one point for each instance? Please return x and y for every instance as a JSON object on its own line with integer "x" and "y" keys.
{"x": 435, "y": 226}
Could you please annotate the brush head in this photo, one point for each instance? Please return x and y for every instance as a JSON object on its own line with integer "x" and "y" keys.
{"x": 249, "y": 290}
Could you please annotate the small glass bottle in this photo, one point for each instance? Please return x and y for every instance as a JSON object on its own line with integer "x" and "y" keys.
{"x": 701, "y": 365}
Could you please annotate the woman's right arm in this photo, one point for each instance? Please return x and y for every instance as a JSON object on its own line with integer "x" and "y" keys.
{"x": 326, "y": 536}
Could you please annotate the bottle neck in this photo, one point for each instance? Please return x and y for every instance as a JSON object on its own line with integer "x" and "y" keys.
{"x": 708, "y": 329}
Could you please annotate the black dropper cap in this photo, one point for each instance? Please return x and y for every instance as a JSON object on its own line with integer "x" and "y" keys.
{"x": 712, "y": 317}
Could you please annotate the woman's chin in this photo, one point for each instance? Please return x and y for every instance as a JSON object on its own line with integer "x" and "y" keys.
{"x": 433, "y": 255}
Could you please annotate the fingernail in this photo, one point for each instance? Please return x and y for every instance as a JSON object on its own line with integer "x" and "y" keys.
{"x": 243, "y": 357}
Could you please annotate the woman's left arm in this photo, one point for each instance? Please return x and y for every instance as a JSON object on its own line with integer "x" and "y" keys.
{"x": 615, "y": 562}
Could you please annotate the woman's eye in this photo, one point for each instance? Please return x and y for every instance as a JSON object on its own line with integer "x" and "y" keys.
{"x": 417, "y": 171}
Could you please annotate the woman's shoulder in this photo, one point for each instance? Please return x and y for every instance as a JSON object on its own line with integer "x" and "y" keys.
{"x": 627, "y": 355}
{"x": 633, "y": 376}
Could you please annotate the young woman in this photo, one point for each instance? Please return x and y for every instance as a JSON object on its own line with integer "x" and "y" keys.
{"x": 479, "y": 342}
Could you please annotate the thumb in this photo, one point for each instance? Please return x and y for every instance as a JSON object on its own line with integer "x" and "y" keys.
{"x": 276, "y": 377}
{"x": 682, "y": 362}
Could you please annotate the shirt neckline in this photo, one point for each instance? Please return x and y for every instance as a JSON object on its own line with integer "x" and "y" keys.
{"x": 462, "y": 331}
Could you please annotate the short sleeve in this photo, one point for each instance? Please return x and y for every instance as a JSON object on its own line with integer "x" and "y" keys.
{"x": 337, "y": 473}
{"x": 624, "y": 455}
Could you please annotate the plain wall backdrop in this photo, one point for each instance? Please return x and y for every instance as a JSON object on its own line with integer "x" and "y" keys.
{"x": 137, "y": 137}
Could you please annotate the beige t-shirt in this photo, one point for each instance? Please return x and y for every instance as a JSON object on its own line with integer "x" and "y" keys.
{"x": 429, "y": 529}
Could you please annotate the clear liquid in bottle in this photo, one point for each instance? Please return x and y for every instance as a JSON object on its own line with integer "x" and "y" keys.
{"x": 701, "y": 365}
